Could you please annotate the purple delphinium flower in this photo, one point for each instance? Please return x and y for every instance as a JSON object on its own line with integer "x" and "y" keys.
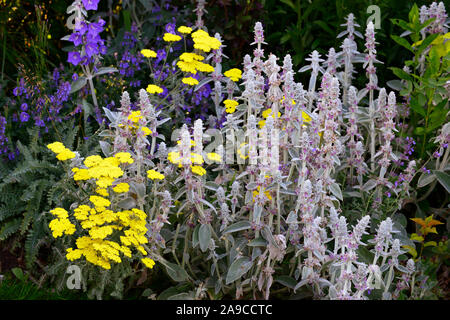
{"x": 24, "y": 116}
{"x": 76, "y": 38}
{"x": 90, "y": 4}
{"x": 74, "y": 58}
{"x": 91, "y": 49}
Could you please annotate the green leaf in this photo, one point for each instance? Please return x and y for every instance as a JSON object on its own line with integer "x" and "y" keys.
{"x": 195, "y": 236}
{"x": 426, "y": 42}
{"x": 443, "y": 178}
{"x": 238, "y": 226}
{"x": 336, "y": 190}
{"x": 176, "y": 272}
{"x": 435, "y": 61}
{"x": 204, "y": 236}
{"x": 18, "y": 273}
{"x": 286, "y": 281}
{"x": 290, "y": 4}
{"x": 411, "y": 250}
{"x": 105, "y": 70}
{"x": 414, "y": 16}
{"x": 238, "y": 268}
{"x": 259, "y": 242}
{"x": 416, "y": 237}
{"x": 365, "y": 255}
{"x": 324, "y": 26}
{"x": 417, "y": 107}
{"x": 419, "y": 131}
{"x": 127, "y": 19}
{"x": 401, "y": 74}
{"x": 78, "y": 85}
{"x": 403, "y": 42}
{"x": 430, "y": 244}
{"x": 425, "y": 179}
{"x": 402, "y": 24}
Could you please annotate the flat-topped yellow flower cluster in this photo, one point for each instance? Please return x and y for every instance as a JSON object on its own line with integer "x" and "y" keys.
{"x": 105, "y": 235}
{"x": 62, "y": 153}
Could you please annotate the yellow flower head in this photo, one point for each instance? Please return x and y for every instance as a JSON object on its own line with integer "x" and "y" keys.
{"x": 65, "y": 155}
{"x": 149, "y": 263}
{"x": 198, "y": 170}
{"x": 230, "y": 105}
{"x": 122, "y": 187}
{"x": 99, "y": 201}
{"x": 59, "y": 212}
{"x": 233, "y": 74}
{"x": 151, "y": 88}
{"x": 190, "y": 57}
{"x": 204, "y": 42}
{"x": 124, "y": 157}
{"x": 174, "y": 157}
{"x": 56, "y": 147}
{"x": 214, "y": 157}
{"x": 92, "y": 161}
{"x": 170, "y": 37}
{"x": 152, "y": 174}
{"x": 148, "y": 53}
{"x": 190, "y": 81}
{"x": 184, "y": 30}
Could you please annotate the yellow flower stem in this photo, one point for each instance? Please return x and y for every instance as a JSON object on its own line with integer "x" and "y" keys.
{"x": 165, "y": 60}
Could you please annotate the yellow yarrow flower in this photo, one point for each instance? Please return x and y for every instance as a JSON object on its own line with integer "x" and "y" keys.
{"x": 204, "y": 42}
{"x": 233, "y": 74}
{"x": 198, "y": 170}
{"x": 124, "y": 157}
{"x": 174, "y": 157}
{"x": 214, "y": 157}
{"x": 170, "y": 37}
{"x": 99, "y": 201}
{"x": 56, "y": 147}
{"x": 190, "y": 57}
{"x": 60, "y": 227}
{"x": 184, "y": 30}
{"x": 62, "y": 153}
{"x": 152, "y": 174}
{"x": 190, "y": 81}
{"x": 230, "y": 105}
{"x": 66, "y": 154}
{"x": 149, "y": 263}
{"x": 122, "y": 187}
{"x": 92, "y": 161}
{"x": 151, "y": 88}
{"x": 148, "y": 53}
{"x": 59, "y": 212}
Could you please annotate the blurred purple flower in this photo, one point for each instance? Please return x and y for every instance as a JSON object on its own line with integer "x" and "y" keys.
{"x": 24, "y": 117}
{"x": 74, "y": 58}
{"x": 90, "y": 4}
